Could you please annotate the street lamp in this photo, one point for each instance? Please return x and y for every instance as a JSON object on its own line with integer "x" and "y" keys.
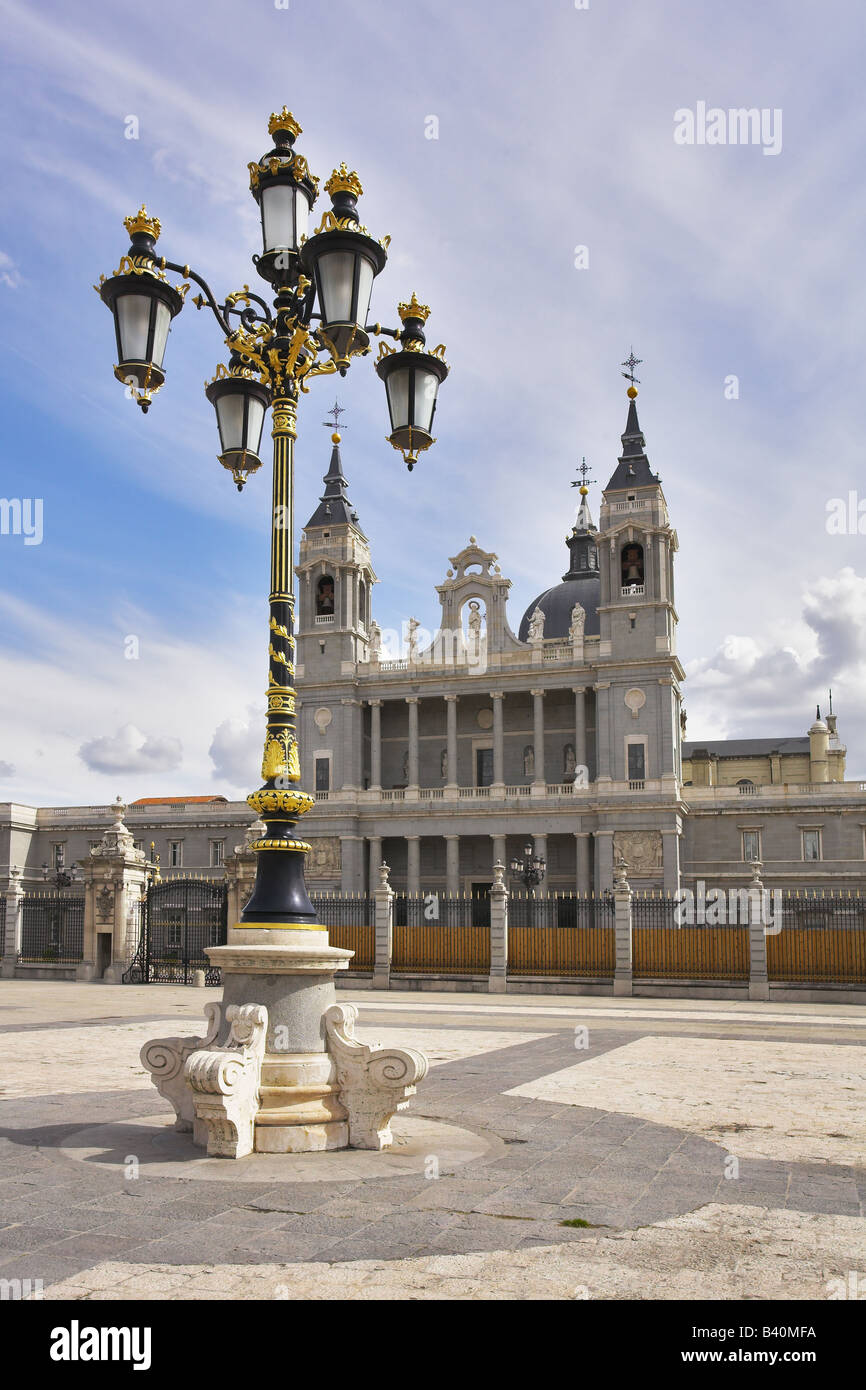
{"x": 322, "y": 283}
{"x": 63, "y": 878}
{"x": 530, "y": 869}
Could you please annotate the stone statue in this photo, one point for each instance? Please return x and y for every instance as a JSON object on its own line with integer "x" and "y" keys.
{"x": 529, "y": 761}
{"x": 413, "y": 626}
{"x": 536, "y": 626}
{"x": 406, "y": 766}
{"x": 569, "y": 762}
{"x": 683, "y": 721}
{"x": 475, "y": 622}
{"x": 443, "y": 763}
{"x": 578, "y": 619}
{"x": 375, "y": 641}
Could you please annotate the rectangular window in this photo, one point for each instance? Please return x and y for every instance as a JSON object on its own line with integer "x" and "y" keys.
{"x": 483, "y": 767}
{"x": 175, "y": 854}
{"x": 636, "y": 762}
{"x": 751, "y": 845}
{"x": 811, "y": 844}
{"x": 323, "y": 774}
{"x": 217, "y": 853}
{"x": 59, "y": 852}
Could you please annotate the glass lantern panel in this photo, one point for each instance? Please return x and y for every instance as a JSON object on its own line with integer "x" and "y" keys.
{"x": 335, "y": 272}
{"x": 255, "y": 421}
{"x": 230, "y": 418}
{"x": 398, "y": 398}
{"x": 426, "y": 386}
{"x": 162, "y": 323}
{"x": 365, "y": 289}
{"x": 133, "y": 321}
{"x": 278, "y": 217}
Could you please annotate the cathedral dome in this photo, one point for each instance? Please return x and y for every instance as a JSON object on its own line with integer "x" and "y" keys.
{"x": 580, "y": 584}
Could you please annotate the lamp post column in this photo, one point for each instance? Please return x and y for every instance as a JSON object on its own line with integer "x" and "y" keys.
{"x": 280, "y": 896}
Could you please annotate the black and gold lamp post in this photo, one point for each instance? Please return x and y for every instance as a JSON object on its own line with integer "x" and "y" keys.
{"x": 321, "y": 283}
{"x": 529, "y": 870}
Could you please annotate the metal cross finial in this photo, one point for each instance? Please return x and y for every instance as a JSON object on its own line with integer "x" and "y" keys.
{"x": 583, "y": 469}
{"x": 336, "y": 410}
{"x": 631, "y": 362}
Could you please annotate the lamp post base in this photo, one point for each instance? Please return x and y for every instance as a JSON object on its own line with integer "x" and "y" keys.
{"x": 302, "y": 1083}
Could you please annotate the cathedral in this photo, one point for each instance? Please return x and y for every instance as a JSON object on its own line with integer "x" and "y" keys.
{"x": 443, "y": 752}
{"x": 445, "y": 756}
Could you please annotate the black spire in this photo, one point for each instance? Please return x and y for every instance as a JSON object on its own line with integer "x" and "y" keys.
{"x": 632, "y": 468}
{"x": 334, "y": 507}
{"x": 581, "y": 542}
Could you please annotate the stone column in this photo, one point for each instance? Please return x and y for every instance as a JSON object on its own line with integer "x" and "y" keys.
{"x": 759, "y": 984}
{"x": 375, "y": 846}
{"x": 581, "y": 844}
{"x": 451, "y": 741}
{"x": 497, "y": 696}
{"x": 603, "y": 860}
{"x": 375, "y": 745}
{"x": 539, "y": 784}
{"x": 622, "y": 975}
{"x": 14, "y": 924}
{"x": 497, "y": 983}
{"x": 580, "y": 725}
{"x": 671, "y": 860}
{"x": 604, "y": 760}
{"x": 351, "y": 863}
{"x": 413, "y": 702}
{"x": 499, "y": 854}
{"x": 384, "y": 895}
{"x": 352, "y": 744}
{"x": 452, "y": 863}
{"x": 413, "y": 865}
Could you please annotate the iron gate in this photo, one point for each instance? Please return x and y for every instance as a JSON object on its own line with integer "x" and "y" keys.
{"x": 181, "y": 917}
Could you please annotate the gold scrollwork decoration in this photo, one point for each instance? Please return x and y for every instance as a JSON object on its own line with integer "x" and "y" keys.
{"x": 276, "y": 801}
{"x": 300, "y": 845}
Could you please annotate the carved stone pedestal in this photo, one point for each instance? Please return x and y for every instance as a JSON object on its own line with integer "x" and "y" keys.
{"x": 283, "y": 1072}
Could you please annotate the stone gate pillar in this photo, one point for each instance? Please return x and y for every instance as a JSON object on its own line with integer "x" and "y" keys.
{"x": 384, "y": 931}
{"x": 14, "y": 922}
{"x": 622, "y": 897}
{"x": 497, "y": 982}
{"x": 115, "y": 876}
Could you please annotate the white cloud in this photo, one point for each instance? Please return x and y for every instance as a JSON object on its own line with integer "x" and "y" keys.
{"x": 129, "y": 750}
{"x": 236, "y": 749}
{"x": 9, "y": 275}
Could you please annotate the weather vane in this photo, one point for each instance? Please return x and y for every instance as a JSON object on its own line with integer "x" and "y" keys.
{"x": 631, "y": 362}
{"x": 583, "y": 469}
{"x": 336, "y": 410}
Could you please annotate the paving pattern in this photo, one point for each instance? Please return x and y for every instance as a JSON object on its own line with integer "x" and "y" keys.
{"x": 615, "y": 1174}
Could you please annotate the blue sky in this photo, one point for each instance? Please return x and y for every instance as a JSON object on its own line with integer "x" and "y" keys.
{"x": 555, "y": 130}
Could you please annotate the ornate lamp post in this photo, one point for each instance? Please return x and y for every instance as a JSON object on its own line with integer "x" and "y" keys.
{"x": 317, "y": 324}
{"x": 322, "y": 285}
{"x": 530, "y": 870}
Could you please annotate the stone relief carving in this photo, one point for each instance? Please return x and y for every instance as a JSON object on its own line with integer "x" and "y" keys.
{"x": 324, "y": 860}
{"x": 641, "y": 849}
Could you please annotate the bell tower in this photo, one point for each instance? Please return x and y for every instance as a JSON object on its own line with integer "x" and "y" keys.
{"x": 335, "y": 579}
{"x": 639, "y": 692}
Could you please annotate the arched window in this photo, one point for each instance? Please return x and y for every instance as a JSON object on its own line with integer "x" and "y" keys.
{"x": 325, "y": 596}
{"x": 362, "y": 604}
{"x": 632, "y": 565}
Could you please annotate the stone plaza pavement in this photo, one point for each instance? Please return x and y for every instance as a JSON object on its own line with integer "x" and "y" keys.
{"x": 707, "y": 1149}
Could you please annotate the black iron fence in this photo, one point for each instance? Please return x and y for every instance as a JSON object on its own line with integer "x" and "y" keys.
{"x": 822, "y": 938}
{"x": 561, "y": 934}
{"x": 52, "y": 929}
{"x": 441, "y": 933}
{"x": 351, "y": 923}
